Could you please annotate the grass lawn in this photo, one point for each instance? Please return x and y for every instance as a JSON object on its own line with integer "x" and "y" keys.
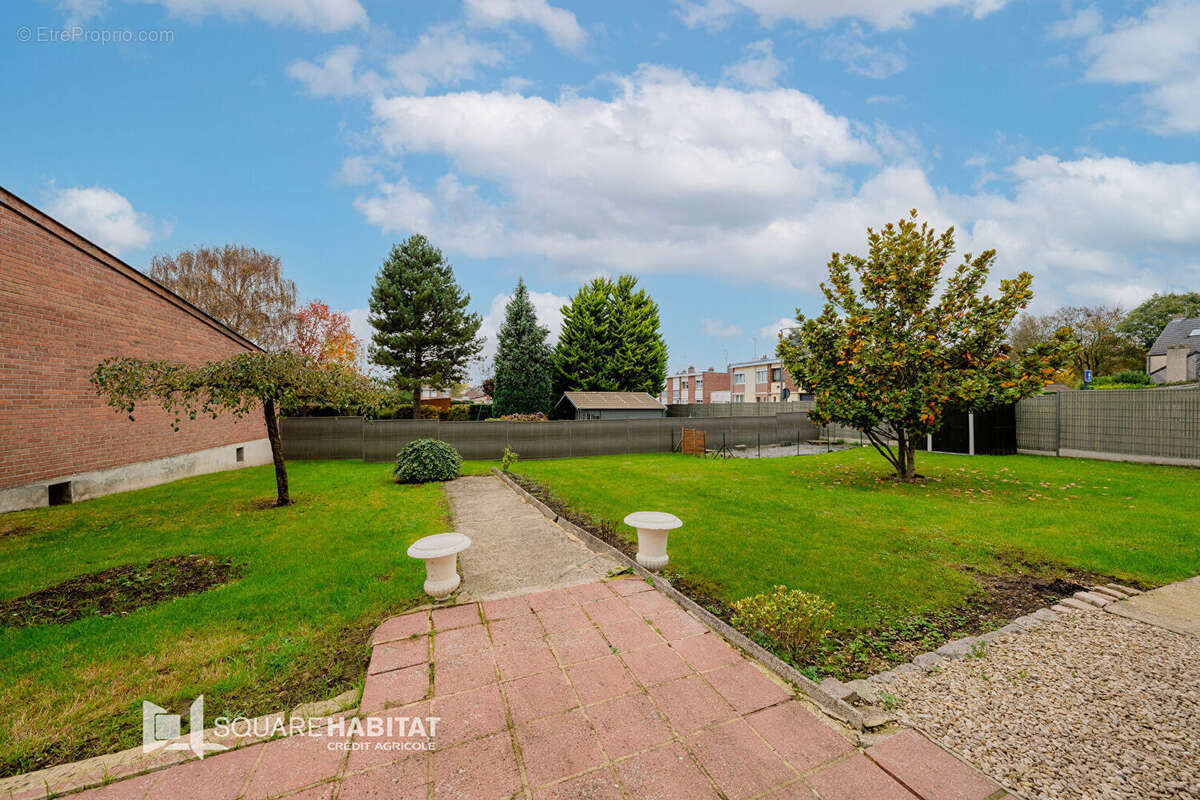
{"x": 315, "y": 579}
{"x": 888, "y": 553}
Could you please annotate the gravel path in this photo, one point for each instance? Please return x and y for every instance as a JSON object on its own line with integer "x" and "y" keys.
{"x": 1089, "y": 706}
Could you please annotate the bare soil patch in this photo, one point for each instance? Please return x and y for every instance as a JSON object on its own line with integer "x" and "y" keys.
{"x": 118, "y": 591}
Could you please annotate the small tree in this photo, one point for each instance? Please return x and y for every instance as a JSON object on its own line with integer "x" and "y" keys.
{"x": 325, "y": 337}
{"x": 423, "y": 332}
{"x": 241, "y": 286}
{"x": 891, "y": 358}
{"x": 524, "y": 368}
{"x": 275, "y": 382}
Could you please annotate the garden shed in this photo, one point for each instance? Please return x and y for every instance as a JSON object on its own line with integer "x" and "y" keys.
{"x": 609, "y": 405}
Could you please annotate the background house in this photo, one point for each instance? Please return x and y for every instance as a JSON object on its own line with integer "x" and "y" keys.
{"x": 66, "y": 305}
{"x": 762, "y": 380}
{"x": 1175, "y": 354}
{"x": 609, "y": 405}
{"x": 690, "y": 386}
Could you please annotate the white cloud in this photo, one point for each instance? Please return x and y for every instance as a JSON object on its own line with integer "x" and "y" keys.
{"x": 441, "y": 56}
{"x": 547, "y": 306}
{"x": 769, "y": 333}
{"x": 444, "y": 56}
{"x": 335, "y": 75}
{"x": 872, "y": 61}
{"x": 760, "y": 69}
{"x": 669, "y": 175}
{"x": 559, "y": 24}
{"x": 720, "y": 330}
{"x": 327, "y": 16}
{"x": 80, "y": 11}
{"x": 1087, "y": 22}
{"x": 881, "y": 14}
{"x": 357, "y": 171}
{"x": 104, "y": 216}
{"x": 1159, "y": 51}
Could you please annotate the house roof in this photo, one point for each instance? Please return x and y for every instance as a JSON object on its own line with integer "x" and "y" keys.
{"x": 41, "y": 219}
{"x": 1179, "y": 332}
{"x": 593, "y": 401}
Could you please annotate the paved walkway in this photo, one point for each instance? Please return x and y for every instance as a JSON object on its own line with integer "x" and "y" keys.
{"x": 603, "y": 690}
{"x": 514, "y": 548}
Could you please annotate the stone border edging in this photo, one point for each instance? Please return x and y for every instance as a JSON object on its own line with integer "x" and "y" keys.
{"x": 836, "y": 708}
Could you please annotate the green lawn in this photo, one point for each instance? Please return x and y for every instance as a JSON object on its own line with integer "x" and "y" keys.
{"x": 886, "y": 552}
{"x": 316, "y": 578}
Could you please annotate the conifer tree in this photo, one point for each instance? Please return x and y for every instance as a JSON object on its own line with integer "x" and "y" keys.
{"x": 584, "y": 345}
{"x": 423, "y": 332}
{"x": 610, "y": 341}
{"x": 524, "y": 366}
{"x": 638, "y": 361}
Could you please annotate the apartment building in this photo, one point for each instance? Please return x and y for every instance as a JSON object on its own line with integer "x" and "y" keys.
{"x": 690, "y": 386}
{"x": 763, "y": 380}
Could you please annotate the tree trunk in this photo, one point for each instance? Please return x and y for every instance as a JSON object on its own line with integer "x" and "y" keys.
{"x": 416, "y": 403}
{"x": 281, "y": 480}
{"x": 906, "y": 447}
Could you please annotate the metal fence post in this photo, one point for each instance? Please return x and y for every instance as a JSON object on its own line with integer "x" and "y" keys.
{"x": 1058, "y": 423}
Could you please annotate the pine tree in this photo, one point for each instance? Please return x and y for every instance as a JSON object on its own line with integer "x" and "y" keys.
{"x": 423, "y": 333}
{"x": 610, "y": 341}
{"x": 524, "y": 366}
{"x": 639, "y": 354}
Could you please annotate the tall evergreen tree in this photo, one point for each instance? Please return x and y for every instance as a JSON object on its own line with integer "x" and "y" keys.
{"x": 584, "y": 345}
{"x": 524, "y": 362}
{"x": 639, "y": 354}
{"x": 423, "y": 333}
{"x": 610, "y": 340}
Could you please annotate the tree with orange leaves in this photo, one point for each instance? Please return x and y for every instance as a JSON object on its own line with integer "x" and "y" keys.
{"x": 325, "y": 337}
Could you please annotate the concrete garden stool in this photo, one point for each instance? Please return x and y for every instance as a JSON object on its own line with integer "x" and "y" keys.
{"x": 440, "y": 554}
{"x": 652, "y": 527}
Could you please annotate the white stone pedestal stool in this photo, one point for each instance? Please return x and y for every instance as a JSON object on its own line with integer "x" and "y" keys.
{"x": 652, "y": 528}
{"x": 440, "y": 554}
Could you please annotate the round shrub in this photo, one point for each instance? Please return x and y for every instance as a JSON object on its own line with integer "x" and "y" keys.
{"x": 424, "y": 460}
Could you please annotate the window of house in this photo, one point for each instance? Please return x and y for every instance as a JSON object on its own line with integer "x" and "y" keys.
{"x": 776, "y": 373}
{"x": 739, "y": 377}
{"x": 760, "y": 376}
{"x": 738, "y": 398}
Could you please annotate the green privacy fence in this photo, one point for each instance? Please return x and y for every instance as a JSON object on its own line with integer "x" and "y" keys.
{"x": 355, "y": 437}
{"x": 1152, "y": 425}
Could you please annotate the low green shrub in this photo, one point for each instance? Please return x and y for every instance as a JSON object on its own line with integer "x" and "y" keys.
{"x": 510, "y": 458}
{"x": 795, "y": 620}
{"x": 425, "y": 460}
{"x": 458, "y": 413}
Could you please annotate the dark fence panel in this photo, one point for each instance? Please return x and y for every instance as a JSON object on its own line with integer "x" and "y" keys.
{"x": 323, "y": 437}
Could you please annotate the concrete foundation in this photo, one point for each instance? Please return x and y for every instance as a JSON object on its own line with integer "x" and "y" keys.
{"x": 86, "y": 485}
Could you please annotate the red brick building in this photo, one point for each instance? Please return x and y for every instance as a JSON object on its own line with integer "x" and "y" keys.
{"x": 690, "y": 386}
{"x": 66, "y": 305}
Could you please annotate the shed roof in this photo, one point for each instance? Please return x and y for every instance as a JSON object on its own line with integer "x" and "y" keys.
{"x": 1178, "y": 332}
{"x": 592, "y": 401}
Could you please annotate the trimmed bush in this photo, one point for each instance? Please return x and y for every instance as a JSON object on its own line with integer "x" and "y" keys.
{"x": 458, "y": 413}
{"x": 425, "y": 460}
{"x": 794, "y": 620}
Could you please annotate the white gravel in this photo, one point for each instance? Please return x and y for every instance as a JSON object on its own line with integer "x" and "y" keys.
{"x": 1089, "y": 706}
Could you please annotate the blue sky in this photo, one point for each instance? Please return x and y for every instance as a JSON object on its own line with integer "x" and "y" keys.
{"x": 719, "y": 149}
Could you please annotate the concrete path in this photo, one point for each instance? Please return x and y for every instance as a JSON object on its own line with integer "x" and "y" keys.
{"x": 603, "y": 690}
{"x": 1175, "y": 607}
{"x": 514, "y": 548}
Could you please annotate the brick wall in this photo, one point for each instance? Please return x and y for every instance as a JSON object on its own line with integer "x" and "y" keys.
{"x": 65, "y": 305}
